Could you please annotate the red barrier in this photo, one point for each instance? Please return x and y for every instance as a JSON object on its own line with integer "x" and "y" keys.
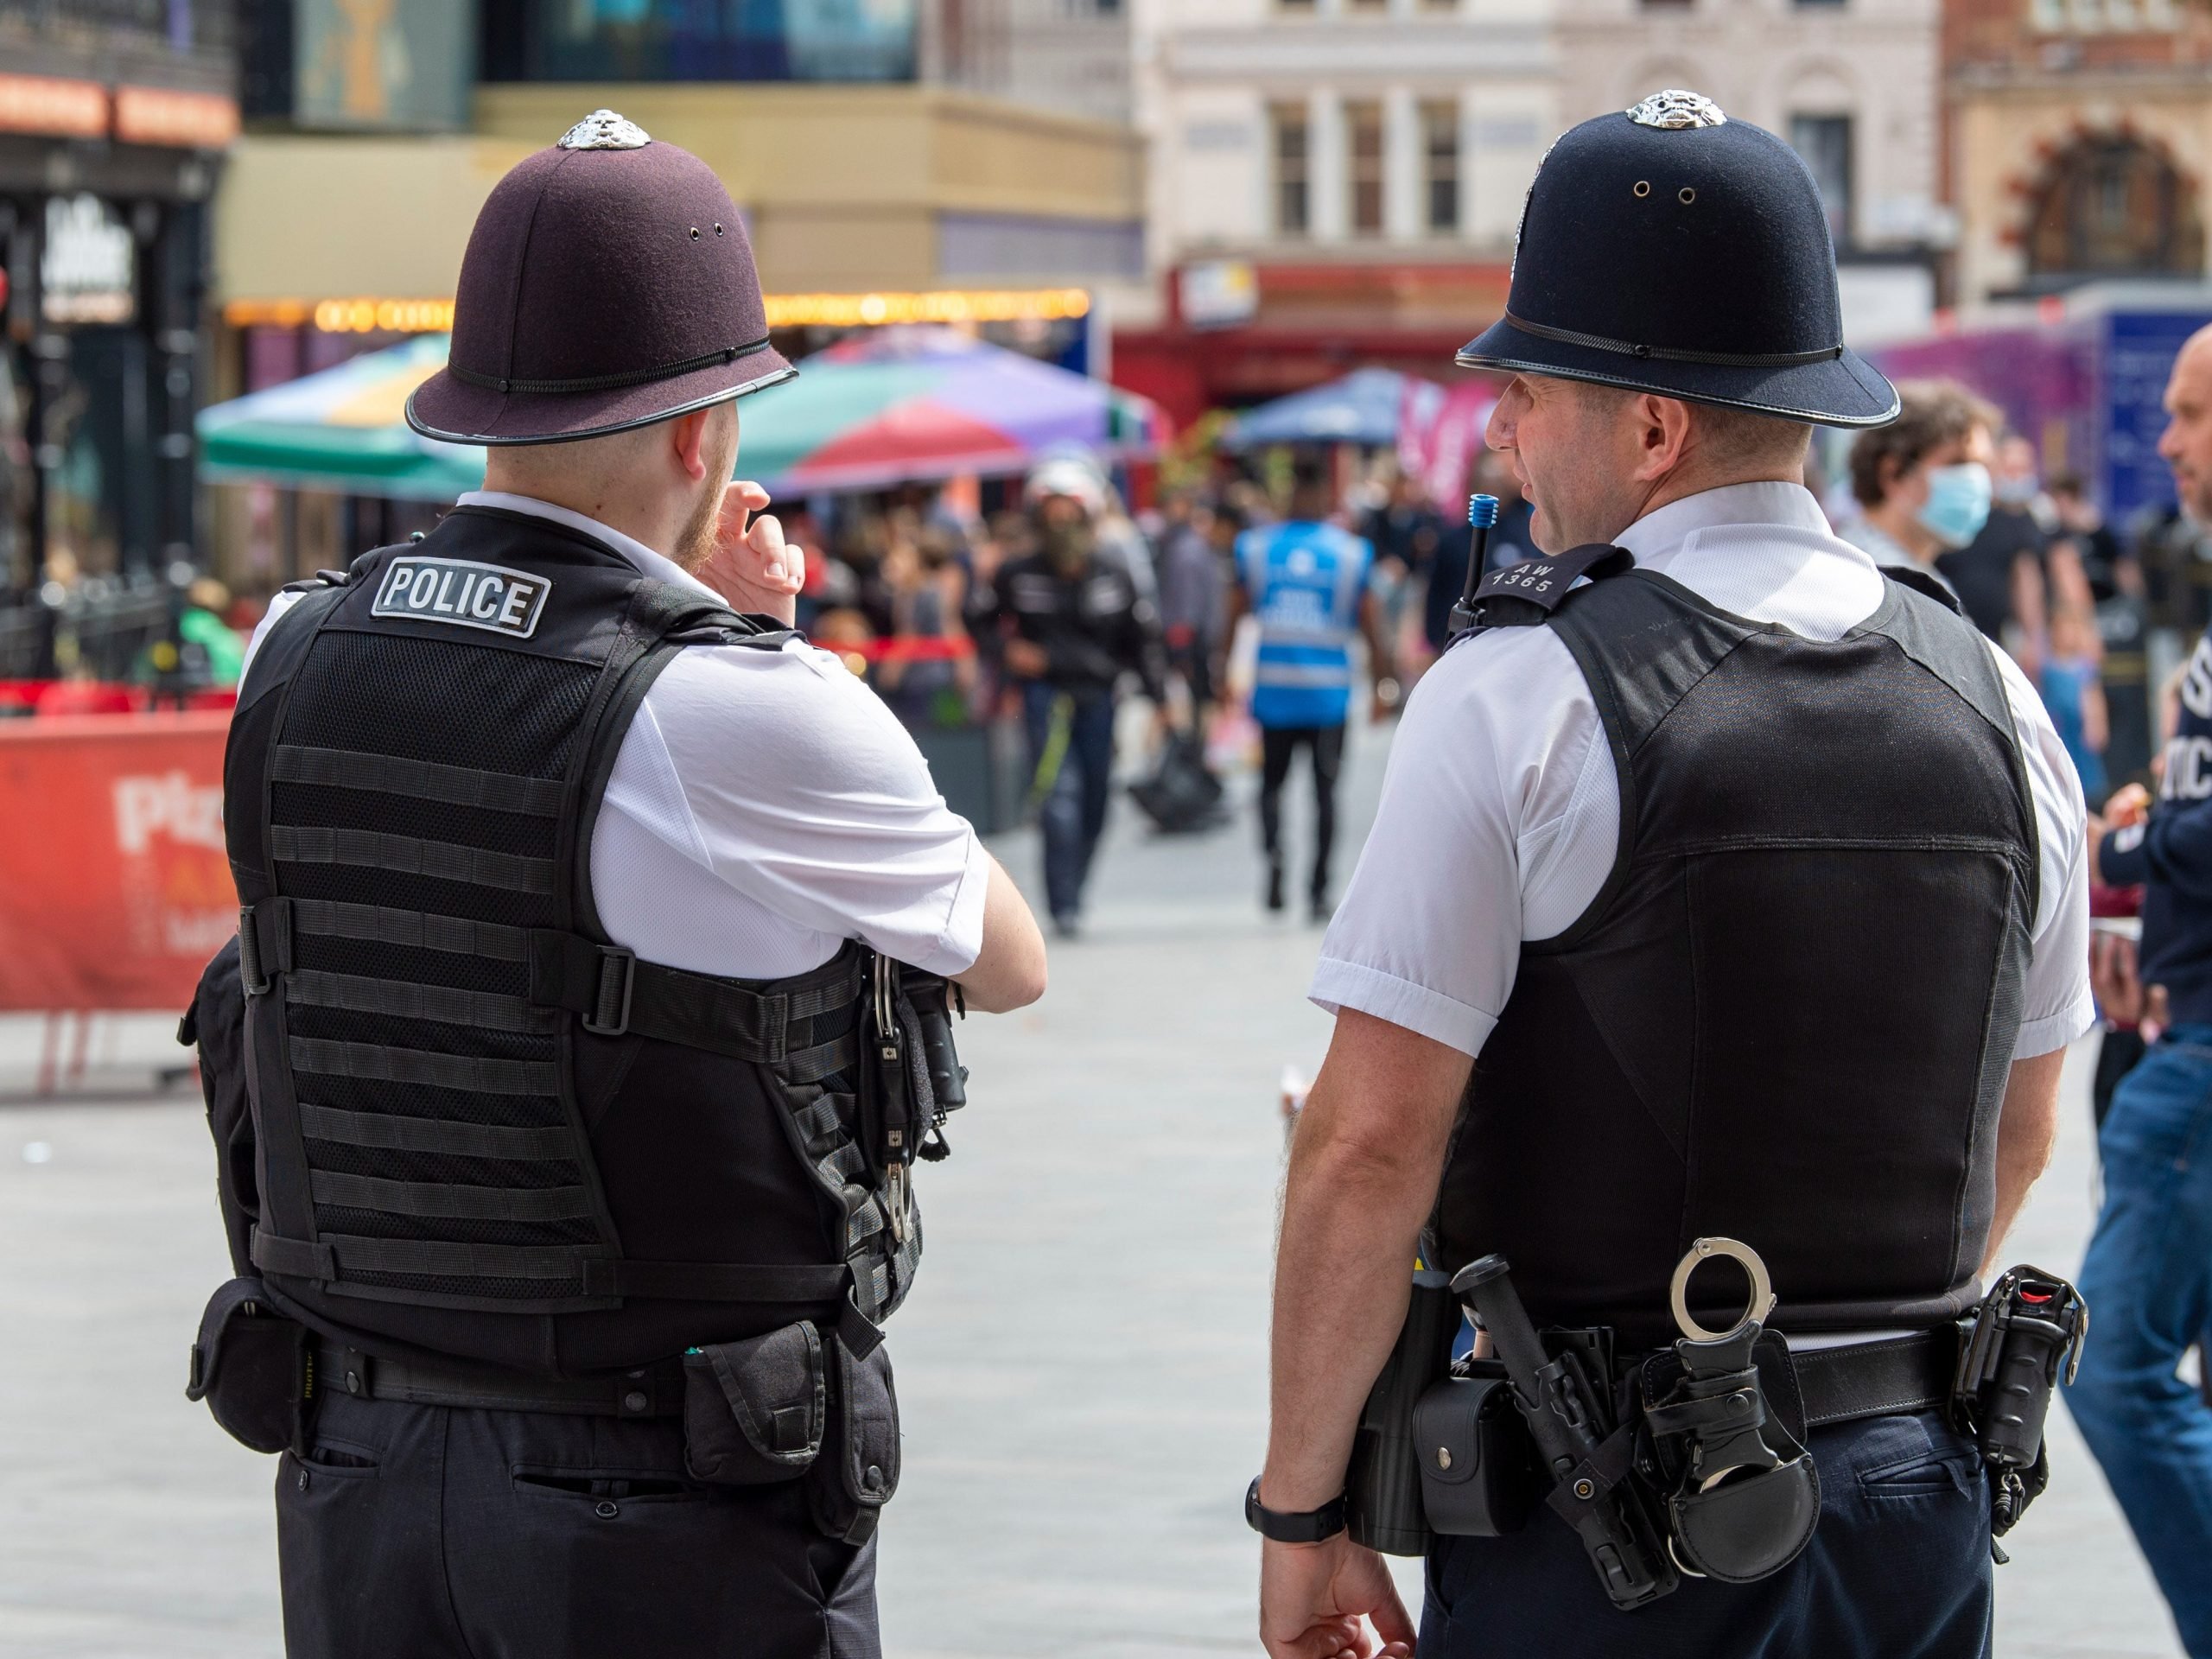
{"x": 101, "y": 697}
{"x": 114, "y": 887}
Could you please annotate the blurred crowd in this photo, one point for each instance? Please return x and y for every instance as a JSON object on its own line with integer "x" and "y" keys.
{"x": 909, "y": 586}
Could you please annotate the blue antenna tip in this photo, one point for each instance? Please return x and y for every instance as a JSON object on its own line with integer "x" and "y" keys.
{"x": 1482, "y": 511}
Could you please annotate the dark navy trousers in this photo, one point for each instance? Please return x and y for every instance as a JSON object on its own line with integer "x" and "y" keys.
{"x": 1898, "y": 1568}
{"x": 426, "y": 1532}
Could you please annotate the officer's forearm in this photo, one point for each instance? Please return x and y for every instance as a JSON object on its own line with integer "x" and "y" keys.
{"x": 2027, "y": 1127}
{"x": 1363, "y": 1175}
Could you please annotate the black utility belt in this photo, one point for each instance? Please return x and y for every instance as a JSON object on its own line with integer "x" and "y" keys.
{"x": 810, "y": 1401}
{"x": 1686, "y": 1461}
{"x": 655, "y": 1390}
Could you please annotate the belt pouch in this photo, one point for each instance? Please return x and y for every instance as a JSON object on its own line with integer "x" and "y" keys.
{"x": 754, "y": 1410}
{"x": 858, "y": 1469}
{"x": 1743, "y": 1495}
{"x": 1478, "y": 1463}
{"x": 251, "y": 1364}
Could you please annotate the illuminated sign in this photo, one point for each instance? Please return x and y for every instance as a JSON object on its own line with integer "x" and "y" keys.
{"x": 66, "y": 109}
{"x": 369, "y": 316}
{"x": 987, "y": 305}
{"x": 89, "y": 270}
{"x": 157, "y": 115}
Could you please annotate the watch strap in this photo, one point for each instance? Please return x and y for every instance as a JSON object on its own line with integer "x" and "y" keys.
{"x": 1293, "y": 1527}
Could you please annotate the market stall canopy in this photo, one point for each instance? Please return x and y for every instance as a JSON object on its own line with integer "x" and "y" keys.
{"x": 341, "y": 429}
{"x": 920, "y": 402}
{"x": 1365, "y": 407}
{"x": 883, "y": 407}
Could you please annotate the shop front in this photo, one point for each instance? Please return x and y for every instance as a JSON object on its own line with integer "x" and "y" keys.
{"x": 104, "y": 267}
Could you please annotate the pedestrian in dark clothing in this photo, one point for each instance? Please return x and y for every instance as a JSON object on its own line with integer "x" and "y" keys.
{"x": 1193, "y": 599}
{"x": 1069, "y": 624}
{"x": 2002, "y": 566}
{"x": 2149, "y": 1269}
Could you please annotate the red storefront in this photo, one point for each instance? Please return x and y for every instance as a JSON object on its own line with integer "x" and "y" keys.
{"x": 1310, "y": 322}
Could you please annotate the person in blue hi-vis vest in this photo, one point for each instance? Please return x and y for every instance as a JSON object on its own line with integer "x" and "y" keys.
{"x": 1305, "y": 581}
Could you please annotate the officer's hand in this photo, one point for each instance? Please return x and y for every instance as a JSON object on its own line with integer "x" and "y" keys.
{"x": 752, "y": 566}
{"x": 2113, "y": 977}
{"x": 2130, "y": 803}
{"x": 1315, "y": 1601}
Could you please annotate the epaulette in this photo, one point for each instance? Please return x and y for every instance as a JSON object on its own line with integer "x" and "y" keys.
{"x": 1521, "y": 595}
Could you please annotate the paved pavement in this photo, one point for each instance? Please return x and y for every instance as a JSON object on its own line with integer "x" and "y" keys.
{"x": 1081, "y": 1368}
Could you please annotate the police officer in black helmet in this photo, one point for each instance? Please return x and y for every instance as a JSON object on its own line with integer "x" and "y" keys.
{"x": 589, "y": 1009}
{"x": 1723, "y": 887}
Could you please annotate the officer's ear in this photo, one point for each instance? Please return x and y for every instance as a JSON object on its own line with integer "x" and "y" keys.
{"x": 687, "y": 442}
{"x": 1664, "y": 429}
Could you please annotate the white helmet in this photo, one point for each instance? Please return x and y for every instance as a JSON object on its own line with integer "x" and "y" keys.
{"x": 1070, "y": 476}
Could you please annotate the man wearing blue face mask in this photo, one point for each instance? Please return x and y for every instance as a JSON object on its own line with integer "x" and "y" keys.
{"x": 1924, "y": 480}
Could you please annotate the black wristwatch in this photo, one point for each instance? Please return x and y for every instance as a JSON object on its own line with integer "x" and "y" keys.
{"x": 1286, "y": 1526}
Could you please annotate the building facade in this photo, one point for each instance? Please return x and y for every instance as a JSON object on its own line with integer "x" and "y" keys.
{"x": 2080, "y": 136}
{"x": 1855, "y": 85}
{"x": 883, "y": 176}
{"x": 1073, "y": 56}
{"x": 1332, "y": 182}
{"x": 114, "y": 117}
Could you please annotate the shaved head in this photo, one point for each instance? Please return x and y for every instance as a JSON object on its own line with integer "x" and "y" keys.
{"x": 2186, "y": 444}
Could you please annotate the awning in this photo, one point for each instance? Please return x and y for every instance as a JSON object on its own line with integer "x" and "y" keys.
{"x": 341, "y": 428}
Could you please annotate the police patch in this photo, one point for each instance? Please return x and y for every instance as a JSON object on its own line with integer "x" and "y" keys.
{"x": 464, "y": 593}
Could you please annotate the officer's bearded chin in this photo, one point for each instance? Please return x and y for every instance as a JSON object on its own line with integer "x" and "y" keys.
{"x": 697, "y": 540}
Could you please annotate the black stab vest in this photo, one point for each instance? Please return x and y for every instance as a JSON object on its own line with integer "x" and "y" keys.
{"x": 484, "y": 1133}
{"x": 1788, "y": 1016}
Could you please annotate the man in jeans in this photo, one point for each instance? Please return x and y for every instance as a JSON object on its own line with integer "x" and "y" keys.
{"x": 2148, "y": 1279}
{"x": 1070, "y": 622}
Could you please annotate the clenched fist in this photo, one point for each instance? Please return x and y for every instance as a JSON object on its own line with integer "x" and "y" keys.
{"x": 752, "y": 566}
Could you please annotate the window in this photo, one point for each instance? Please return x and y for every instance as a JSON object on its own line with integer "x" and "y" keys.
{"x": 1824, "y": 140}
{"x": 1290, "y": 147}
{"x": 2111, "y": 204}
{"x": 1439, "y": 132}
{"x": 1364, "y": 143}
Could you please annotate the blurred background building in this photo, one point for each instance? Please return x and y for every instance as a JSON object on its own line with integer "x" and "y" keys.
{"x": 1209, "y": 202}
{"x": 2079, "y": 135}
{"x": 1854, "y": 86}
{"x": 1333, "y": 183}
{"x": 113, "y": 117}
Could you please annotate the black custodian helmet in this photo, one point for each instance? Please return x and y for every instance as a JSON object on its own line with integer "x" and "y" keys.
{"x": 1669, "y": 248}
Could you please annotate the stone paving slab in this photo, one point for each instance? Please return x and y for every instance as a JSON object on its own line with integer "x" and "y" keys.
{"x": 1082, "y": 1368}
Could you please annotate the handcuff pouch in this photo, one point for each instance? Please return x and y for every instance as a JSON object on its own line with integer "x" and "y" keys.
{"x": 1742, "y": 1493}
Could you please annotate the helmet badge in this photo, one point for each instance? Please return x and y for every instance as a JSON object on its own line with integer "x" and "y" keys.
{"x": 1673, "y": 110}
{"x": 604, "y": 130}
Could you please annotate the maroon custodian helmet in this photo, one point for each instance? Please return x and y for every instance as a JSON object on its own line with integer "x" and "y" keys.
{"x": 608, "y": 283}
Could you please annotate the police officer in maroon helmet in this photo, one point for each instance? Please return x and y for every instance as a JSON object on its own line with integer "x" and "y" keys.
{"x": 591, "y": 1003}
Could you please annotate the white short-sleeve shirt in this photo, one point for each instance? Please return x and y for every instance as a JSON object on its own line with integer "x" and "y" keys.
{"x": 764, "y": 807}
{"x": 1500, "y": 816}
